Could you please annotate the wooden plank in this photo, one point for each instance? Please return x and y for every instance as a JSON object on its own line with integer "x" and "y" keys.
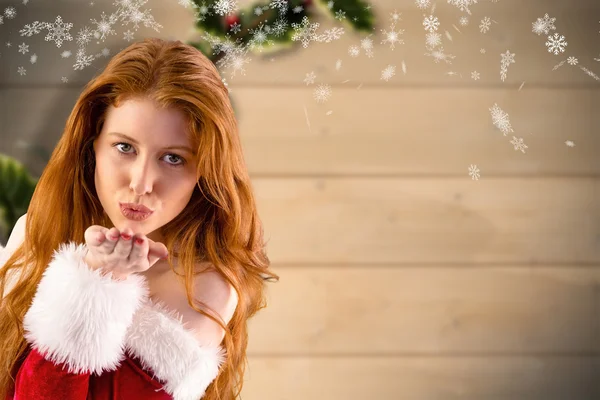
{"x": 365, "y": 310}
{"x": 426, "y": 378}
{"x": 451, "y": 220}
{"x": 510, "y": 31}
{"x": 371, "y": 131}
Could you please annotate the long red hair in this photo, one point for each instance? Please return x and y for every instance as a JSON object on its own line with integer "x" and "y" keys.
{"x": 220, "y": 225}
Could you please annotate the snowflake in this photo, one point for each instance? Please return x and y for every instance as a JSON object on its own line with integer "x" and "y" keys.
{"x": 354, "y": 51}
{"x": 23, "y": 48}
{"x": 104, "y": 26}
{"x": 507, "y": 59}
{"x": 84, "y": 36}
{"x": 423, "y": 4}
{"x": 305, "y": 31}
{"x": 58, "y": 31}
{"x": 433, "y": 39}
{"x": 64, "y": 79}
{"x": 570, "y": 143}
{"x": 590, "y": 73}
{"x": 556, "y": 44}
{"x": 259, "y": 38}
{"x": 464, "y": 20}
{"x": 128, "y": 36}
{"x": 282, "y": 5}
{"x": 439, "y": 55}
{"x": 395, "y": 17}
{"x": 258, "y": 11}
{"x": 235, "y": 27}
{"x": 572, "y": 61}
{"x": 340, "y": 15}
{"x": 310, "y": 78}
{"x": 482, "y": 51}
{"x": 463, "y": 5}
{"x": 518, "y": 144}
{"x": 500, "y": 119}
{"x": 279, "y": 27}
{"x": 82, "y": 60}
{"x": 33, "y": 29}
{"x": 322, "y": 93}
{"x": 66, "y": 54}
{"x": 367, "y": 45}
{"x": 22, "y": 71}
{"x": 431, "y": 23}
{"x": 543, "y": 25}
{"x": 224, "y": 7}
{"x": 403, "y": 67}
{"x": 474, "y": 172}
{"x": 201, "y": 11}
{"x": 10, "y": 12}
{"x": 388, "y": 72}
{"x": 338, "y": 65}
{"x": 485, "y": 24}
{"x": 33, "y": 58}
{"x": 297, "y": 9}
{"x": 392, "y": 37}
{"x": 475, "y": 75}
{"x": 331, "y": 34}
{"x": 129, "y": 12}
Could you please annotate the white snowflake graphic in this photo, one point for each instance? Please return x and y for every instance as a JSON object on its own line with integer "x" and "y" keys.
{"x": 500, "y": 119}
{"x": 310, "y": 78}
{"x": 305, "y": 31}
{"x": 235, "y": 27}
{"x": 439, "y": 55}
{"x": 433, "y": 39}
{"x": 388, "y": 72}
{"x": 64, "y": 79}
{"x": 518, "y": 144}
{"x": 556, "y": 44}
{"x": 423, "y": 4}
{"x": 84, "y": 36}
{"x": 329, "y": 35}
{"x": 259, "y": 38}
{"x": 10, "y": 12}
{"x": 104, "y": 26}
{"x": 507, "y": 59}
{"x": 572, "y": 61}
{"x": 475, "y": 75}
{"x": 58, "y": 31}
{"x": 33, "y": 58}
{"x": 463, "y": 5}
{"x": 33, "y": 29}
{"x": 464, "y": 20}
{"x": 354, "y": 51}
{"x": 485, "y": 24}
{"x": 128, "y": 36}
{"x": 367, "y": 45}
{"x": 474, "y": 172}
{"x": 543, "y": 25}
{"x": 431, "y": 23}
{"x": 322, "y": 93}
{"x": 224, "y": 7}
{"x": 570, "y": 143}
{"x": 395, "y": 17}
{"x": 392, "y": 36}
{"x": 22, "y": 71}
{"x": 23, "y": 48}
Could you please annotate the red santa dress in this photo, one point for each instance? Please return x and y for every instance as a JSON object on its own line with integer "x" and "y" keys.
{"x": 93, "y": 337}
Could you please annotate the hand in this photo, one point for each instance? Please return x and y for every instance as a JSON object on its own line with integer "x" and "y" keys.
{"x": 110, "y": 252}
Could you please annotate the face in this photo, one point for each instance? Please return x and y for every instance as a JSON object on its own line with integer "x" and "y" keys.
{"x": 140, "y": 169}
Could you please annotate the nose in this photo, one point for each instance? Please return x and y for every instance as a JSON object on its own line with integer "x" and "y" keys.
{"x": 142, "y": 177}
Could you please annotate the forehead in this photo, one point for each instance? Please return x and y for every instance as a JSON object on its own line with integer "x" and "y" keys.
{"x": 146, "y": 121}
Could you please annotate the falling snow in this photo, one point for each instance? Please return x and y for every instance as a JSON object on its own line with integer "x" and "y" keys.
{"x": 556, "y": 44}
{"x": 500, "y": 119}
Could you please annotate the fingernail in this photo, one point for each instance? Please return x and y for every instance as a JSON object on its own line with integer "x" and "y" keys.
{"x": 139, "y": 240}
{"x": 125, "y": 236}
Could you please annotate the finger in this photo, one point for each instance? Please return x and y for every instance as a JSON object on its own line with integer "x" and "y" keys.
{"x": 124, "y": 244}
{"x": 94, "y": 236}
{"x": 158, "y": 249}
{"x": 139, "y": 252}
{"x": 112, "y": 235}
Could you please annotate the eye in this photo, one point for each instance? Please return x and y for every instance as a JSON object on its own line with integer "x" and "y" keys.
{"x": 121, "y": 153}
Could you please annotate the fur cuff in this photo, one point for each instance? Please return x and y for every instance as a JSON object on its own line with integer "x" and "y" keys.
{"x": 80, "y": 317}
{"x": 165, "y": 347}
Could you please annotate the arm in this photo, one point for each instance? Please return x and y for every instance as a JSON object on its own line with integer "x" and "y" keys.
{"x": 76, "y": 326}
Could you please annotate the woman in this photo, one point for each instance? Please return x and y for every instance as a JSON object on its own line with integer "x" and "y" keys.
{"x": 149, "y": 165}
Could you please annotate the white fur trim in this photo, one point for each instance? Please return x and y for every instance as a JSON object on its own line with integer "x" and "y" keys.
{"x": 158, "y": 337}
{"x": 80, "y": 317}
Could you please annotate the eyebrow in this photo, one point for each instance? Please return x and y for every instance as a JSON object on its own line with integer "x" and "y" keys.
{"x": 124, "y": 136}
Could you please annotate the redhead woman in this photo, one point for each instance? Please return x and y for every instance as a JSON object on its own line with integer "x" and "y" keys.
{"x": 141, "y": 256}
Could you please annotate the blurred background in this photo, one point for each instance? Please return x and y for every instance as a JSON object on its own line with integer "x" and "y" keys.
{"x": 430, "y": 197}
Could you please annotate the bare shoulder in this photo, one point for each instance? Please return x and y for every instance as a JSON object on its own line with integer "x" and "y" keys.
{"x": 17, "y": 236}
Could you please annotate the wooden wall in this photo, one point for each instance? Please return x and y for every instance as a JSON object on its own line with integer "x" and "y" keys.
{"x": 401, "y": 277}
